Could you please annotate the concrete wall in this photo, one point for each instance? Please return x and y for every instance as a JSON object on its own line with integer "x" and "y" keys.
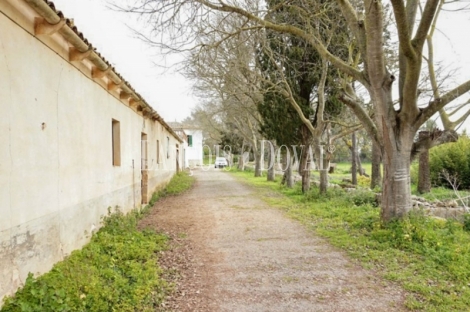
{"x": 56, "y": 171}
{"x": 194, "y": 153}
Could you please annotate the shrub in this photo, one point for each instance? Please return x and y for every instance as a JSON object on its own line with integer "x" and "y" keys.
{"x": 466, "y": 222}
{"x": 362, "y": 197}
{"x": 453, "y": 158}
{"x": 363, "y": 181}
{"x": 314, "y": 194}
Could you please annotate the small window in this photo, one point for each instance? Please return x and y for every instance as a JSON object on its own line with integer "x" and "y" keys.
{"x": 167, "y": 147}
{"x": 158, "y": 151}
{"x": 116, "y": 142}
{"x": 190, "y": 140}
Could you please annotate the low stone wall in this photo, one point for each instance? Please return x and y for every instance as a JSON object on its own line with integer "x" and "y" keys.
{"x": 443, "y": 209}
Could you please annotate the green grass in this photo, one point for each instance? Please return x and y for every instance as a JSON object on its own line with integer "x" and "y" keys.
{"x": 429, "y": 258}
{"x": 440, "y": 193}
{"x": 208, "y": 160}
{"x": 178, "y": 184}
{"x": 345, "y": 168}
{"x": 117, "y": 271}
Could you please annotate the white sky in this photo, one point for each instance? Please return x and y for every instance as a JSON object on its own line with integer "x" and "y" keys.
{"x": 170, "y": 93}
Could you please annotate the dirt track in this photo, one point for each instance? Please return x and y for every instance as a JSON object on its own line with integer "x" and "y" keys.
{"x": 232, "y": 252}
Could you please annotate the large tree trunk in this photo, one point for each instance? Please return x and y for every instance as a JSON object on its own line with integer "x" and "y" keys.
{"x": 396, "y": 186}
{"x": 376, "y": 172}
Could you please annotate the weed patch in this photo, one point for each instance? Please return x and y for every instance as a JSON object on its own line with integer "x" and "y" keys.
{"x": 116, "y": 271}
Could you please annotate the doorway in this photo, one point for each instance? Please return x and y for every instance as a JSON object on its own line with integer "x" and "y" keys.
{"x": 144, "y": 169}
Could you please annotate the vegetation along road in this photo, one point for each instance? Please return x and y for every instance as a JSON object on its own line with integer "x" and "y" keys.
{"x": 230, "y": 251}
{"x": 233, "y": 242}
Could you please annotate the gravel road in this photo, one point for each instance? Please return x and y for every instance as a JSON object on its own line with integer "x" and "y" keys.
{"x": 231, "y": 252}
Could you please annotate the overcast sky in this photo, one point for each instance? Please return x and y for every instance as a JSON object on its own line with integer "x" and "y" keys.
{"x": 169, "y": 93}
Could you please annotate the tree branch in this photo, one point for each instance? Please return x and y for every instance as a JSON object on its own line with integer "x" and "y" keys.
{"x": 361, "y": 114}
{"x": 439, "y": 103}
{"x": 425, "y": 24}
{"x": 403, "y": 29}
{"x": 285, "y": 28}
{"x": 346, "y": 131}
{"x": 434, "y": 138}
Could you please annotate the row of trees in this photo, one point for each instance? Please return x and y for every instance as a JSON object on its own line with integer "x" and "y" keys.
{"x": 284, "y": 70}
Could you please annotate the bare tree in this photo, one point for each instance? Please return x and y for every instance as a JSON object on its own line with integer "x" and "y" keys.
{"x": 223, "y": 70}
{"x": 392, "y": 127}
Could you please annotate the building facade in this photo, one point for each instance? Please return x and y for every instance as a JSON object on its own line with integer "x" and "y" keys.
{"x": 75, "y": 139}
{"x": 194, "y": 151}
{"x": 193, "y": 143}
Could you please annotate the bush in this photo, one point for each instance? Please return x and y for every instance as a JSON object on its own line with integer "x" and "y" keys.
{"x": 314, "y": 195}
{"x": 363, "y": 181}
{"x": 466, "y": 222}
{"x": 362, "y": 197}
{"x": 453, "y": 158}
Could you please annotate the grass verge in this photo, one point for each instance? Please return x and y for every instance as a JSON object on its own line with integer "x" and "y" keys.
{"x": 429, "y": 258}
{"x": 117, "y": 271}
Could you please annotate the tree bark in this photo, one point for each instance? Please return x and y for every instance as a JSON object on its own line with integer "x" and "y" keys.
{"x": 324, "y": 176}
{"x": 241, "y": 163}
{"x": 304, "y": 163}
{"x": 376, "y": 173}
{"x": 271, "y": 164}
{"x": 360, "y": 170}
{"x": 353, "y": 159}
{"x": 289, "y": 179}
{"x": 258, "y": 156}
{"x": 323, "y": 164}
{"x": 396, "y": 187}
{"x": 304, "y": 170}
{"x": 424, "y": 175}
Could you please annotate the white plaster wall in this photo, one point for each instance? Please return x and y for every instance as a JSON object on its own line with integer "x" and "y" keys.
{"x": 194, "y": 154}
{"x": 56, "y": 173}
